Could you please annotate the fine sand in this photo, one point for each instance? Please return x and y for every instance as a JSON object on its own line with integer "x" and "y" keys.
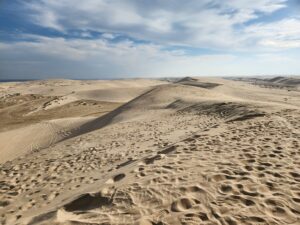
{"x": 192, "y": 151}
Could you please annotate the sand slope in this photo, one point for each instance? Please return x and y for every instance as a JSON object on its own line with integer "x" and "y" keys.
{"x": 17, "y": 142}
{"x": 88, "y": 89}
{"x": 31, "y": 112}
{"x": 176, "y": 154}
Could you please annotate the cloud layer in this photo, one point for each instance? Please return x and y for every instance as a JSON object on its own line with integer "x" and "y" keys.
{"x": 104, "y": 38}
{"x": 211, "y": 23}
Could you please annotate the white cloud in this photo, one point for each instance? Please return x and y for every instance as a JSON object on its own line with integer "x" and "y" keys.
{"x": 280, "y": 43}
{"x": 209, "y": 23}
{"x": 109, "y": 36}
{"x": 226, "y": 26}
{"x": 46, "y": 18}
{"x": 280, "y": 34}
{"x": 77, "y": 58}
{"x": 94, "y": 58}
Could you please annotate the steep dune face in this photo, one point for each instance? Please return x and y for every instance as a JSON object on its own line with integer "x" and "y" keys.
{"x": 151, "y": 104}
{"x": 194, "y": 82}
{"x": 111, "y": 94}
{"x": 176, "y": 154}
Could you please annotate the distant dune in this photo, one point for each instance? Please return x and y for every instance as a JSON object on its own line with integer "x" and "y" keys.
{"x": 275, "y": 82}
{"x": 292, "y": 81}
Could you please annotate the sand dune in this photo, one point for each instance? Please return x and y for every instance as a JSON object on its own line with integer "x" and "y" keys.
{"x": 112, "y": 94}
{"x": 21, "y": 141}
{"x": 26, "y": 108}
{"x": 291, "y": 83}
{"x": 178, "y": 153}
{"x": 75, "y": 87}
{"x": 194, "y": 82}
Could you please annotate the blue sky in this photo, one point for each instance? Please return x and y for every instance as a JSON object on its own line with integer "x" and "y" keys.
{"x": 134, "y": 38}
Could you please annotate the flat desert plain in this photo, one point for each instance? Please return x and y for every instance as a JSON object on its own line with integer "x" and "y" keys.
{"x": 192, "y": 151}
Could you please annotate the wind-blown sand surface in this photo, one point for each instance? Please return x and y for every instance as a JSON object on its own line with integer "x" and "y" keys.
{"x": 196, "y": 151}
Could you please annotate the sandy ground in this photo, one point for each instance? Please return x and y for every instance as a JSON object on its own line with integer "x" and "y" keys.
{"x": 197, "y": 151}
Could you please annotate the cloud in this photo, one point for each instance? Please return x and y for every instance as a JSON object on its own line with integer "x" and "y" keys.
{"x": 77, "y": 58}
{"x": 280, "y": 34}
{"x": 123, "y": 38}
{"x": 208, "y": 23}
{"x": 94, "y": 58}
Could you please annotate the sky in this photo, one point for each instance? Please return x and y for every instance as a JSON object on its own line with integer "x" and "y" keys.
{"x": 110, "y": 39}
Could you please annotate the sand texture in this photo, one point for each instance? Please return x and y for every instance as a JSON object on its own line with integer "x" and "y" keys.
{"x": 196, "y": 151}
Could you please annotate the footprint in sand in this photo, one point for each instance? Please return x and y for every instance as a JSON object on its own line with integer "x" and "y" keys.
{"x": 182, "y": 205}
{"x": 116, "y": 178}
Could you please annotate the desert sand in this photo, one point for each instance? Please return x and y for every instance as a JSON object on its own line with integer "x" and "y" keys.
{"x": 193, "y": 151}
